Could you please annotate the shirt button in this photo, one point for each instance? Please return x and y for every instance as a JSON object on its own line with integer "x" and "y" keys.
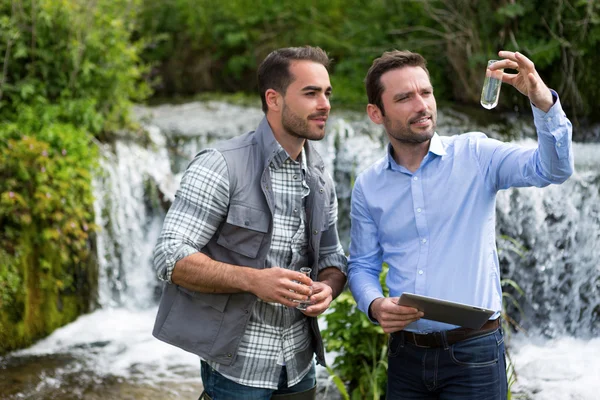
{"x": 246, "y": 223}
{"x": 295, "y": 210}
{"x": 420, "y": 272}
{"x": 424, "y": 240}
{"x": 295, "y": 176}
{"x": 549, "y": 119}
{"x": 415, "y": 178}
{"x": 272, "y": 165}
{"x": 558, "y": 144}
{"x": 419, "y": 210}
{"x": 321, "y": 190}
{"x": 315, "y": 232}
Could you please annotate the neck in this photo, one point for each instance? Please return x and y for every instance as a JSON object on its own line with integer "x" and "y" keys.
{"x": 409, "y": 155}
{"x": 291, "y": 144}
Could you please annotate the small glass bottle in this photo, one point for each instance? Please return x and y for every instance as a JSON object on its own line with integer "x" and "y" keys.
{"x": 302, "y": 305}
{"x": 491, "y": 86}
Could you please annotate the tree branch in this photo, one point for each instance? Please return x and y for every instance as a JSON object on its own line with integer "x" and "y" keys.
{"x": 5, "y": 67}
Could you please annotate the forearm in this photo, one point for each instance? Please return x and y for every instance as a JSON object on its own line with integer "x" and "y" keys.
{"x": 364, "y": 284}
{"x": 333, "y": 278}
{"x": 200, "y": 273}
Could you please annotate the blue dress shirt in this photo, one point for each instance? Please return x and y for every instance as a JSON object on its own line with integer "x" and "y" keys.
{"x": 435, "y": 228}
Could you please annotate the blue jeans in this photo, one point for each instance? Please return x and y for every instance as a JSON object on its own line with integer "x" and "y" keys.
{"x": 219, "y": 387}
{"x": 472, "y": 369}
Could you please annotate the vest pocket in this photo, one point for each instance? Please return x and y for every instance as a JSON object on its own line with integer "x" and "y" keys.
{"x": 193, "y": 321}
{"x": 218, "y": 301}
{"x": 244, "y": 230}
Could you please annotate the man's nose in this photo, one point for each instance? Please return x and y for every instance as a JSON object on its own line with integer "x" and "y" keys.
{"x": 421, "y": 104}
{"x": 323, "y": 103}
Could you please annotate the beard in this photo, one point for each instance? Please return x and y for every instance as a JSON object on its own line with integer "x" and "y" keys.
{"x": 405, "y": 134}
{"x": 300, "y": 127}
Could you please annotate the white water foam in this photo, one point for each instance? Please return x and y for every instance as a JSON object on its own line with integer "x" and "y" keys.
{"x": 564, "y": 368}
{"x": 119, "y": 342}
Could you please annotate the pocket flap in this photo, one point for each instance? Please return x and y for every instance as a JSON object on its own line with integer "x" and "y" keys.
{"x": 249, "y": 218}
{"x": 218, "y": 301}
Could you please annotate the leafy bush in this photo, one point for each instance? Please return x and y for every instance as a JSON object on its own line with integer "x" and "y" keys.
{"x": 70, "y": 61}
{"x": 360, "y": 344}
{"x": 46, "y": 216}
{"x": 44, "y": 180}
{"x": 70, "y": 71}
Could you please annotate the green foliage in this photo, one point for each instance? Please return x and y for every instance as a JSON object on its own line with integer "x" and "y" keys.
{"x": 70, "y": 61}
{"x": 201, "y": 45}
{"x": 339, "y": 384}
{"x": 206, "y": 46}
{"x": 361, "y": 345}
{"x": 70, "y": 70}
{"x": 10, "y": 281}
{"x": 46, "y": 216}
{"x": 44, "y": 180}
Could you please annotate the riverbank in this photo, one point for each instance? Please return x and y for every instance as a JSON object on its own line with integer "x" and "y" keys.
{"x": 111, "y": 354}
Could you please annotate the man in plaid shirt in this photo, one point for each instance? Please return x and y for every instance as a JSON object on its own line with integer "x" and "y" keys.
{"x": 249, "y": 213}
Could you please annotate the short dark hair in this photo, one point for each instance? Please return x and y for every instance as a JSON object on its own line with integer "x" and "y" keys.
{"x": 274, "y": 71}
{"x": 390, "y": 60}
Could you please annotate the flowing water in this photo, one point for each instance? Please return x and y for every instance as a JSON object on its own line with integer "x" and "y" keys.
{"x": 547, "y": 238}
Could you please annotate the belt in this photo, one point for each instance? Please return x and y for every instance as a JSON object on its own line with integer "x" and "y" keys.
{"x": 435, "y": 339}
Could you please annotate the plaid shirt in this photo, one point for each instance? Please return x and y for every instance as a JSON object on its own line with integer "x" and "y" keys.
{"x": 275, "y": 335}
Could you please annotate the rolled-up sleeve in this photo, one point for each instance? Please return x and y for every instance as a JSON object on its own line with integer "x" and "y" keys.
{"x": 199, "y": 208}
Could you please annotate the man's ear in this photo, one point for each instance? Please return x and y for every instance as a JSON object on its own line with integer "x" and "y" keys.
{"x": 375, "y": 113}
{"x": 273, "y": 99}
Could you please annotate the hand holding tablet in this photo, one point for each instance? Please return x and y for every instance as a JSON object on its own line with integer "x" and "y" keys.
{"x": 447, "y": 311}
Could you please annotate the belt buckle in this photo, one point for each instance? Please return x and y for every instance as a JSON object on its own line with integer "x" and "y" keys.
{"x": 427, "y": 340}
{"x": 415, "y": 338}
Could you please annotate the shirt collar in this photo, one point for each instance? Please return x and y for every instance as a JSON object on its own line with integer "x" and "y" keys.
{"x": 281, "y": 156}
{"x": 436, "y": 147}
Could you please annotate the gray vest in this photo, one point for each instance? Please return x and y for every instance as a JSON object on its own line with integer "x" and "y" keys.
{"x": 211, "y": 325}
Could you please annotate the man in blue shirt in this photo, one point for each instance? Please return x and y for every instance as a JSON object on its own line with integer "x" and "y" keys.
{"x": 427, "y": 209}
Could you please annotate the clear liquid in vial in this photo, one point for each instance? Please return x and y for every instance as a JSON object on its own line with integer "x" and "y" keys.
{"x": 491, "y": 87}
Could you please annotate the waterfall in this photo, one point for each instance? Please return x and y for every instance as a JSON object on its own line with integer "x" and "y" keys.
{"x": 130, "y": 215}
{"x": 557, "y": 259}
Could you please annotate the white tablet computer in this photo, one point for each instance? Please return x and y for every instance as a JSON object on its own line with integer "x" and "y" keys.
{"x": 447, "y": 311}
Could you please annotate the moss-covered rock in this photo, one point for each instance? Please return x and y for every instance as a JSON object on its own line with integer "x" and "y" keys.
{"x": 35, "y": 301}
